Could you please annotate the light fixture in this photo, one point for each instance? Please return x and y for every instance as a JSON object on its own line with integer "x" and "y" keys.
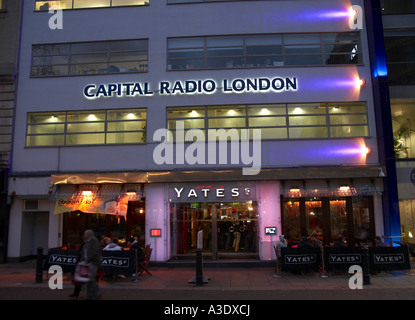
{"x": 87, "y": 193}
{"x": 359, "y": 83}
{"x": 410, "y": 234}
{"x": 344, "y": 188}
{"x": 295, "y": 189}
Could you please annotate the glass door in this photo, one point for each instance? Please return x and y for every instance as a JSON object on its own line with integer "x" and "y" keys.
{"x": 229, "y": 228}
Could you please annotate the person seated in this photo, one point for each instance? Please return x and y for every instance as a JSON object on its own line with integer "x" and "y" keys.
{"x": 304, "y": 243}
{"x": 113, "y": 246}
{"x": 340, "y": 242}
{"x": 134, "y": 245}
{"x": 379, "y": 243}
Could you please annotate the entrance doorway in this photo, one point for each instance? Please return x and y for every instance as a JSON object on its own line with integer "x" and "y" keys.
{"x": 229, "y": 229}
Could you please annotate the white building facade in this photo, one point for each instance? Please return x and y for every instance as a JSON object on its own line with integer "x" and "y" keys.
{"x": 93, "y": 95}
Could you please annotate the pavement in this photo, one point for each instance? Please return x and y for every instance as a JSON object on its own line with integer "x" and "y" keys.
{"x": 17, "y": 282}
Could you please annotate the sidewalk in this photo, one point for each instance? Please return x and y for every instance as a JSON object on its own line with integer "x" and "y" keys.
{"x": 224, "y": 283}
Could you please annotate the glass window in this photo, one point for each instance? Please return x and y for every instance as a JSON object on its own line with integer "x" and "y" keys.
{"x": 83, "y": 4}
{"x": 255, "y": 51}
{"x": 279, "y": 121}
{"x": 398, "y": 7}
{"x": 86, "y": 127}
{"x": 90, "y": 58}
{"x": 403, "y": 125}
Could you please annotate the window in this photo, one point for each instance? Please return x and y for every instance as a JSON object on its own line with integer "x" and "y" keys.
{"x": 400, "y": 56}
{"x": 86, "y": 127}
{"x": 86, "y": 58}
{"x": 403, "y": 124}
{"x": 277, "y": 121}
{"x": 263, "y": 51}
{"x": 398, "y": 7}
{"x": 83, "y": 4}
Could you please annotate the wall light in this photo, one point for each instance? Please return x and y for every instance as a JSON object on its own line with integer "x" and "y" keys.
{"x": 87, "y": 193}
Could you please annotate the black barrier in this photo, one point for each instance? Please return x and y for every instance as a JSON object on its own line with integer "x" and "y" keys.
{"x": 114, "y": 262}
{"x": 118, "y": 262}
{"x": 341, "y": 259}
{"x": 300, "y": 259}
{"x": 389, "y": 258}
{"x": 66, "y": 259}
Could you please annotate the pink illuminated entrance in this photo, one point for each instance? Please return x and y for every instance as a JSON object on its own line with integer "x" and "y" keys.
{"x": 230, "y": 229}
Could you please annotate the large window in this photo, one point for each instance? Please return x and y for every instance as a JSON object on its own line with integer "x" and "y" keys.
{"x": 86, "y": 127}
{"x": 260, "y": 51}
{"x": 400, "y": 56}
{"x": 86, "y": 58}
{"x": 277, "y": 121}
{"x": 403, "y": 123}
{"x": 83, "y": 4}
{"x": 398, "y": 7}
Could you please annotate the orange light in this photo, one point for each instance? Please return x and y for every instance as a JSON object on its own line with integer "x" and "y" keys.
{"x": 131, "y": 193}
{"x": 295, "y": 190}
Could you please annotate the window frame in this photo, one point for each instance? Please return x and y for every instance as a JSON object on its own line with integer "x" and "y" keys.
{"x": 146, "y": 4}
{"x": 280, "y": 59}
{"x": 71, "y": 55}
{"x": 328, "y": 126}
{"x": 66, "y": 133}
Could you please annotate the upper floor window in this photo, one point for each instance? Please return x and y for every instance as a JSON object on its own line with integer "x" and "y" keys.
{"x": 197, "y": 1}
{"x": 260, "y": 51}
{"x": 86, "y": 58}
{"x": 82, "y": 4}
{"x": 398, "y": 7}
{"x": 277, "y": 121}
{"x": 93, "y": 127}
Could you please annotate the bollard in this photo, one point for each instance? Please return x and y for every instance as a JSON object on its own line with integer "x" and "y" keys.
{"x": 39, "y": 265}
{"x": 365, "y": 265}
{"x": 199, "y": 267}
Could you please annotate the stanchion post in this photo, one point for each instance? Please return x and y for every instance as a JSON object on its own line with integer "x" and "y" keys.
{"x": 39, "y": 265}
{"x": 365, "y": 266}
{"x": 324, "y": 273}
{"x": 199, "y": 267}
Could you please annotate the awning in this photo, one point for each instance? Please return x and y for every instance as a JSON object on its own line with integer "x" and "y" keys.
{"x": 101, "y": 199}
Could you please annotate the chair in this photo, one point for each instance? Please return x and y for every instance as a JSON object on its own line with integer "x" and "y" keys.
{"x": 145, "y": 265}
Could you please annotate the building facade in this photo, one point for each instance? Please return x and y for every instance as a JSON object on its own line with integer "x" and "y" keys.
{"x": 398, "y": 21}
{"x": 159, "y": 119}
{"x": 10, "y": 12}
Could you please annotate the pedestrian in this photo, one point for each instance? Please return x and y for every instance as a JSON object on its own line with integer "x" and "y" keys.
{"x": 281, "y": 244}
{"x": 91, "y": 254}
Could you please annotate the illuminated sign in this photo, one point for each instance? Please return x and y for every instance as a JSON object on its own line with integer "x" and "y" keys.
{"x": 155, "y": 232}
{"x": 212, "y": 192}
{"x": 270, "y": 231}
{"x": 189, "y": 87}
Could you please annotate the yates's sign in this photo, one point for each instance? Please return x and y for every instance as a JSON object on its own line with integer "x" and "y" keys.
{"x": 190, "y": 87}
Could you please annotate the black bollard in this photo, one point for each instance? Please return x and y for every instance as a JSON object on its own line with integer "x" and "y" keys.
{"x": 199, "y": 267}
{"x": 365, "y": 266}
{"x": 39, "y": 265}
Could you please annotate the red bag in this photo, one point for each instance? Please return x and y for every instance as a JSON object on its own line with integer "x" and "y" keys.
{"x": 82, "y": 273}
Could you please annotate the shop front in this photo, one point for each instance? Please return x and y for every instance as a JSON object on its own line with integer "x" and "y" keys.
{"x": 227, "y": 213}
{"x": 115, "y": 211}
{"x": 329, "y": 212}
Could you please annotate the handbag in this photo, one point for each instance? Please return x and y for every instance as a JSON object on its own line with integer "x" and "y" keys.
{"x": 82, "y": 272}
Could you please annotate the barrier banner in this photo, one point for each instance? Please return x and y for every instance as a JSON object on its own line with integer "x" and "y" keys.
{"x": 300, "y": 259}
{"x": 118, "y": 262}
{"x": 341, "y": 259}
{"x": 389, "y": 258}
{"x": 114, "y": 262}
{"x": 66, "y": 259}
